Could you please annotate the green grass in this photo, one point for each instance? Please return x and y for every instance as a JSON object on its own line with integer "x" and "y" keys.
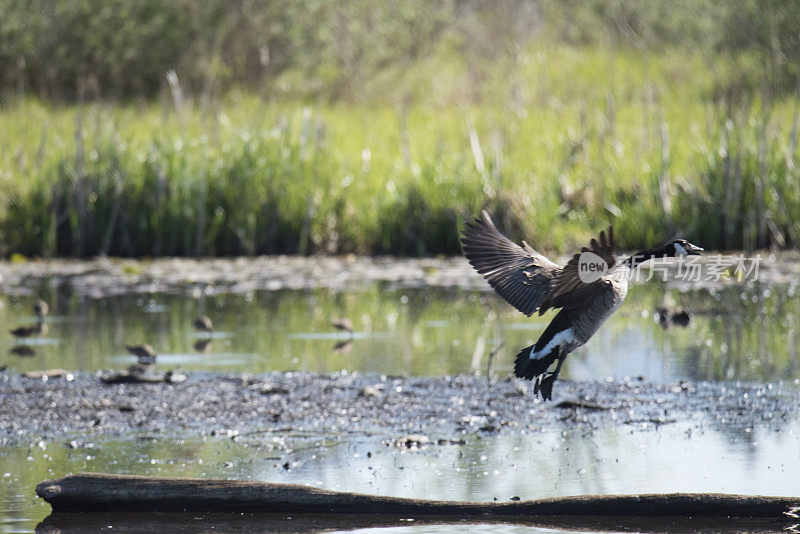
{"x": 556, "y": 145}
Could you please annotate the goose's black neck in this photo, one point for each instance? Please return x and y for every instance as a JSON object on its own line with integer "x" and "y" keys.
{"x": 644, "y": 255}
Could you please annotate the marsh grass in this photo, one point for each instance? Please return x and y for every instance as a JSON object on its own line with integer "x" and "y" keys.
{"x": 556, "y": 146}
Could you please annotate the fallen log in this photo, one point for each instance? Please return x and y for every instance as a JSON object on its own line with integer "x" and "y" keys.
{"x": 98, "y": 492}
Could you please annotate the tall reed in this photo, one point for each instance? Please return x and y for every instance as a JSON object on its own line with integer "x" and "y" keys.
{"x": 247, "y": 176}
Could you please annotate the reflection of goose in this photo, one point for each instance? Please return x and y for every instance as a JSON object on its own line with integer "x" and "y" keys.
{"x": 668, "y": 318}
{"x": 203, "y": 324}
{"x": 144, "y": 352}
{"x": 344, "y": 324}
{"x": 203, "y": 345}
{"x": 22, "y": 350}
{"x": 588, "y": 290}
{"x": 29, "y": 330}
{"x": 40, "y": 309}
{"x": 344, "y": 346}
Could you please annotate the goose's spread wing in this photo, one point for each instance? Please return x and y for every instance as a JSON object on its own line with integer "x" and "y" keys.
{"x": 520, "y": 275}
{"x": 569, "y": 288}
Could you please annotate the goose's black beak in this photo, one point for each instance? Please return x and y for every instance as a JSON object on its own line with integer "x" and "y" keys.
{"x": 693, "y": 250}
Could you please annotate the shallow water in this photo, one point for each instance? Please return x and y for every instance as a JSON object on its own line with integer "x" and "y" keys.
{"x": 736, "y": 332}
{"x": 559, "y": 461}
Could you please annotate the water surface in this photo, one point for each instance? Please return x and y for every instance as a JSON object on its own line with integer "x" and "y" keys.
{"x": 708, "y": 457}
{"x": 739, "y": 332}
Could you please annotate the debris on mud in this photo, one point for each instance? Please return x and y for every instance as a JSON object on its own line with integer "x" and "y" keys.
{"x": 580, "y": 404}
{"x": 49, "y": 373}
{"x": 412, "y": 441}
{"x": 441, "y": 406}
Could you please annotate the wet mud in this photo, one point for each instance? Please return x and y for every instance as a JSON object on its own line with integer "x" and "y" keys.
{"x": 439, "y": 408}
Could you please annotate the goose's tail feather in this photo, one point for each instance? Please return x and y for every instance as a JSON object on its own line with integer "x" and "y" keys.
{"x": 530, "y": 368}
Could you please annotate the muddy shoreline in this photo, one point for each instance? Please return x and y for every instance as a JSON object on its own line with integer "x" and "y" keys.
{"x": 229, "y": 405}
{"x": 102, "y": 277}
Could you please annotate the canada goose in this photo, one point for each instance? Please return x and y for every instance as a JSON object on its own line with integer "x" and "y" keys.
{"x": 145, "y": 353}
{"x": 530, "y": 282}
{"x": 40, "y": 308}
{"x": 344, "y": 324}
{"x": 203, "y": 324}
{"x": 29, "y": 330}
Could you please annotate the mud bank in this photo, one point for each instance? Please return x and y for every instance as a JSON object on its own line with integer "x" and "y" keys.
{"x": 113, "y": 276}
{"x": 231, "y": 405}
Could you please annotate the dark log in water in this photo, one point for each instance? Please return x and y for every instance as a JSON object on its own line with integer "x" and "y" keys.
{"x": 97, "y": 492}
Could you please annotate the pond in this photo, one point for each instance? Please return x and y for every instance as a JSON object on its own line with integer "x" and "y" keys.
{"x": 529, "y": 465}
{"x": 734, "y": 332}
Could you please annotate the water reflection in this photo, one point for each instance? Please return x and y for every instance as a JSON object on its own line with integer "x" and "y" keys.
{"x": 373, "y": 524}
{"x": 734, "y": 333}
{"x": 760, "y": 459}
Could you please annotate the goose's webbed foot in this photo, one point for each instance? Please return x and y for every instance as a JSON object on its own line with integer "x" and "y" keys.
{"x": 544, "y": 386}
{"x": 544, "y": 383}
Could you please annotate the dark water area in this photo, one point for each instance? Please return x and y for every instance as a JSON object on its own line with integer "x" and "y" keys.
{"x": 734, "y": 333}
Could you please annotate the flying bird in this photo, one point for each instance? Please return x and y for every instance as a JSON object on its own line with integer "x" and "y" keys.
{"x": 587, "y": 290}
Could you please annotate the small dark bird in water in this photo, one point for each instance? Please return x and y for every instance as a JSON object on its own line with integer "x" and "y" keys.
{"x": 203, "y": 345}
{"x": 681, "y": 318}
{"x": 22, "y": 350}
{"x": 668, "y": 318}
{"x": 145, "y": 353}
{"x": 588, "y": 290}
{"x": 203, "y": 324}
{"x": 29, "y": 330}
{"x": 344, "y": 324}
{"x": 40, "y": 308}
